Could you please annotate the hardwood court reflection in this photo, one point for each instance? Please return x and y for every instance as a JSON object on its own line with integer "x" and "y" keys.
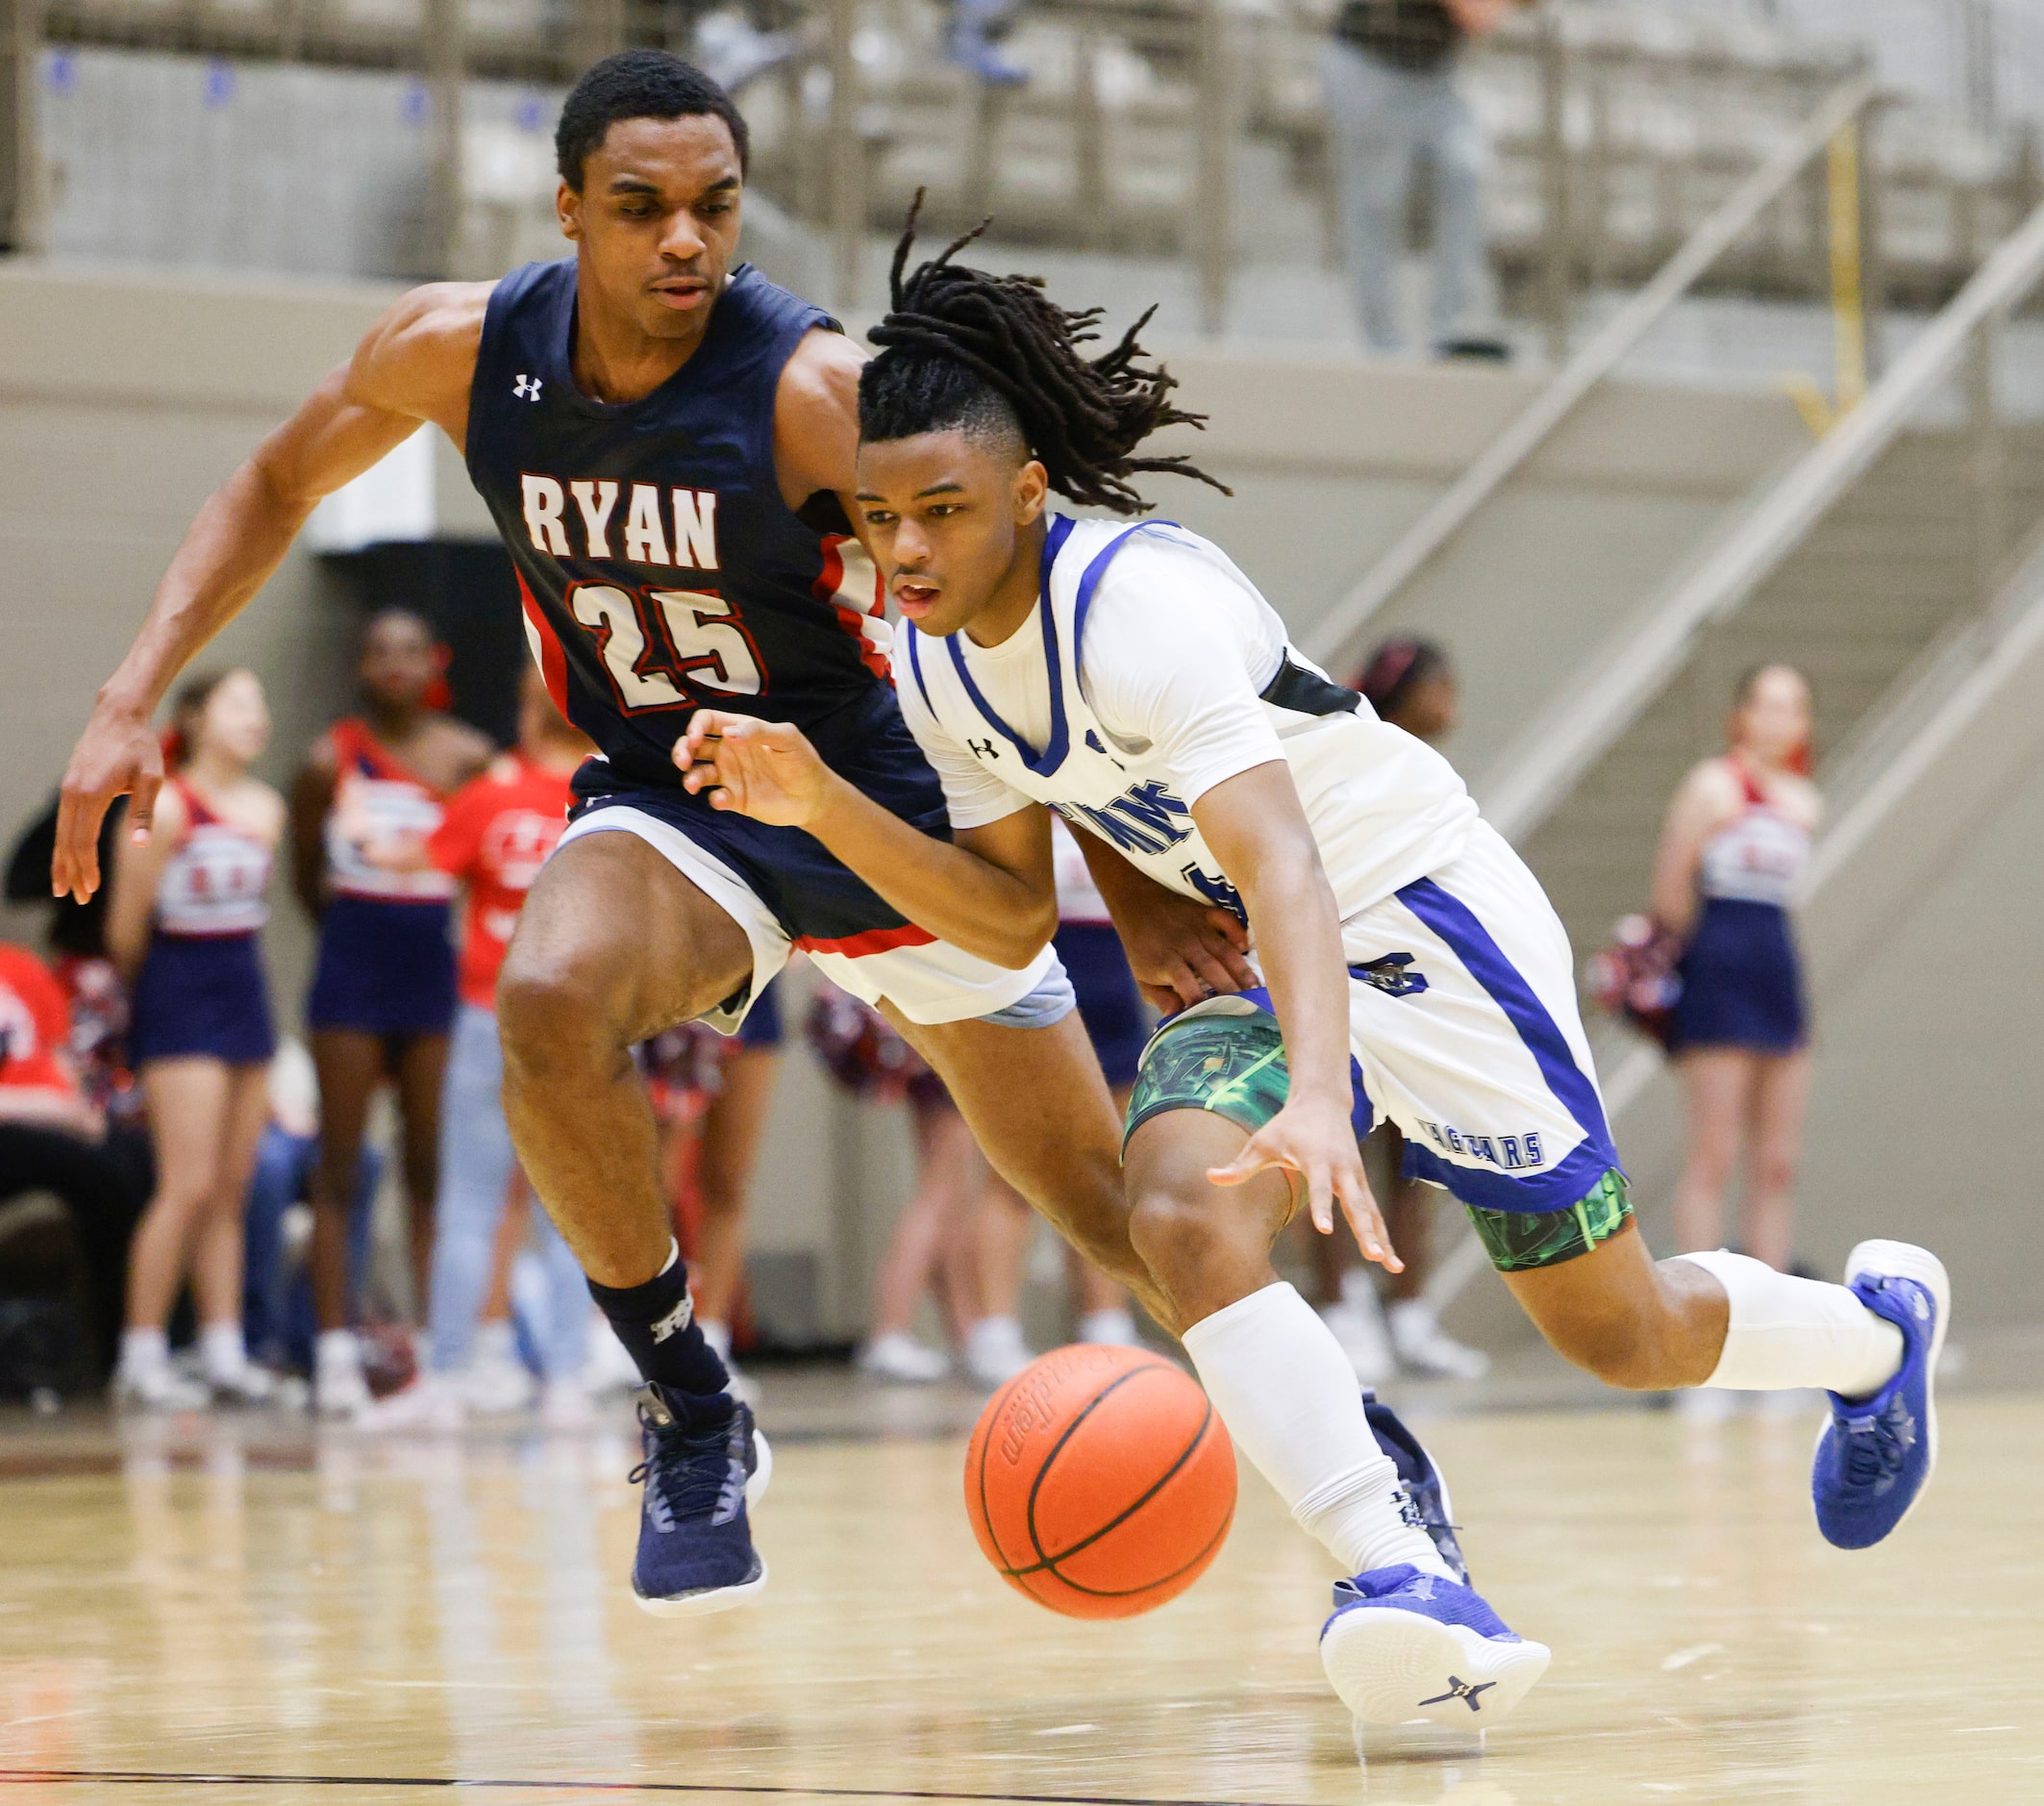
{"x": 248, "y": 1602}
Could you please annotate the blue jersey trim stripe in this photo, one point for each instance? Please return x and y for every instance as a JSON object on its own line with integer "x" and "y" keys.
{"x": 1045, "y": 763}
{"x": 1470, "y": 941}
{"x": 915, "y": 665}
{"x": 1561, "y": 1187}
{"x": 1091, "y": 582}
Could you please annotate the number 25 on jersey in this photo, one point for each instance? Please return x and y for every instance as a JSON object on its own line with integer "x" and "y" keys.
{"x": 655, "y": 643}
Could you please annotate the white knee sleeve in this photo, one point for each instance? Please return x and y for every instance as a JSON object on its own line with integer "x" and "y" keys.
{"x": 1786, "y": 1332}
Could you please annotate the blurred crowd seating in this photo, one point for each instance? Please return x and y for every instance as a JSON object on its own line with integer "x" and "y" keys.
{"x": 1618, "y": 123}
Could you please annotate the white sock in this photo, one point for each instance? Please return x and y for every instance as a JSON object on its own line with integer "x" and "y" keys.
{"x": 1290, "y": 1400}
{"x": 717, "y": 1335}
{"x": 144, "y": 1351}
{"x": 496, "y": 1341}
{"x": 222, "y": 1353}
{"x": 1786, "y": 1332}
{"x": 1114, "y": 1325}
{"x": 336, "y": 1350}
{"x": 997, "y": 1335}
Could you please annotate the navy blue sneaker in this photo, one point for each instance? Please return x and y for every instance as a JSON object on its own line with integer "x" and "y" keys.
{"x": 1426, "y": 1490}
{"x": 695, "y": 1551}
{"x": 1875, "y": 1455}
{"x": 1403, "y": 1645}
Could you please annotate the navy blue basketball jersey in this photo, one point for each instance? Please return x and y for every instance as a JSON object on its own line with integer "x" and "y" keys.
{"x": 661, "y": 569}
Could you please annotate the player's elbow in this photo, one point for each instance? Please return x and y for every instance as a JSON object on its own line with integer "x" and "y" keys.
{"x": 1037, "y": 931}
{"x": 1018, "y": 944}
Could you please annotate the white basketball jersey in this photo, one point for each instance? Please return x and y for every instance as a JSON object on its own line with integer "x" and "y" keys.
{"x": 1385, "y": 808}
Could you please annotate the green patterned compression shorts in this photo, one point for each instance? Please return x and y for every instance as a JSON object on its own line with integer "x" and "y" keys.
{"x": 1231, "y": 1061}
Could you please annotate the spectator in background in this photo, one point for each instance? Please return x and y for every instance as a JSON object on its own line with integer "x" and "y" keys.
{"x": 933, "y": 1246}
{"x": 497, "y": 832}
{"x": 972, "y": 42}
{"x": 53, "y": 1139}
{"x": 185, "y": 928}
{"x": 78, "y": 952}
{"x": 383, "y": 994}
{"x": 1388, "y": 72}
{"x": 1410, "y": 684}
{"x": 1736, "y": 840}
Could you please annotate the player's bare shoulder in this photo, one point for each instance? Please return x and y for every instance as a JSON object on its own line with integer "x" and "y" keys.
{"x": 817, "y": 415}
{"x": 419, "y": 359}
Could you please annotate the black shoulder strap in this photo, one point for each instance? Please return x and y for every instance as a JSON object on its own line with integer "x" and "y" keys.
{"x": 1307, "y": 692}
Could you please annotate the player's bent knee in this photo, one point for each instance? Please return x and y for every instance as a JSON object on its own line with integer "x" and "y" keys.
{"x": 1173, "y": 1234}
{"x": 555, "y": 1008}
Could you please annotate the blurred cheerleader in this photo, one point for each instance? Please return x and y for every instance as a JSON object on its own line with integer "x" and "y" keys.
{"x": 1736, "y": 842}
{"x": 185, "y": 926}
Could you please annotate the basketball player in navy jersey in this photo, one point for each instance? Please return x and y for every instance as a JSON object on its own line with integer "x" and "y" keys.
{"x": 667, "y": 445}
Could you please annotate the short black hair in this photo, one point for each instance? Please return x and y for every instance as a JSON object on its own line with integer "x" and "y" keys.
{"x": 638, "y": 85}
{"x": 962, "y": 349}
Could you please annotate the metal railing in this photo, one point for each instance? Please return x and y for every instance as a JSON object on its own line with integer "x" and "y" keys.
{"x": 1582, "y": 723}
{"x": 1337, "y": 640}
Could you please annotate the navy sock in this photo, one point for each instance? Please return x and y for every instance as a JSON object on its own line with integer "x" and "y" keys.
{"x": 656, "y": 1321}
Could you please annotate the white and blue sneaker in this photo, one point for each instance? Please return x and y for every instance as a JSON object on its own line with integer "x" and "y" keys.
{"x": 1876, "y": 1454}
{"x": 1426, "y": 1487}
{"x": 695, "y": 1551}
{"x": 1403, "y": 1645}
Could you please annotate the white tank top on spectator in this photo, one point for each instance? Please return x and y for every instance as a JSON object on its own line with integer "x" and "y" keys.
{"x": 1758, "y": 856}
{"x": 377, "y": 803}
{"x": 214, "y": 883}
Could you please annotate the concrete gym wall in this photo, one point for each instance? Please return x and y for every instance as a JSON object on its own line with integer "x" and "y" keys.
{"x": 125, "y": 398}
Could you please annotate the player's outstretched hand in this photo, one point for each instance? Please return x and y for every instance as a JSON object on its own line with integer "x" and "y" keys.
{"x": 764, "y": 770}
{"x": 118, "y": 755}
{"x": 1317, "y": 1141}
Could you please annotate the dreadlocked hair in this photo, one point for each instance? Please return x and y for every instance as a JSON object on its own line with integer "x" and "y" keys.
{"x": 963, "y": 349}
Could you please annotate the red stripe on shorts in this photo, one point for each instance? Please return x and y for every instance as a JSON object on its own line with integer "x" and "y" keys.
{"x": 873, "y": 941}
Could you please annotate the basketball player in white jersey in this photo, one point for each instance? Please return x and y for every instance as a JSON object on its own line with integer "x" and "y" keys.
{"x": 1130, "y": 679}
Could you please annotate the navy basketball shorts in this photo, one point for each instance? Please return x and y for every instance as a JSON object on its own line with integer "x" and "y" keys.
{"x": 1109, "y": 1005}
{"x": 787, "y": 890}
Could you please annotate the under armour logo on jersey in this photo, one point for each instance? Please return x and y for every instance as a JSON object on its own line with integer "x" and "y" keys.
{"x": 984, "y": 748}
{"x": 526, "y": 388}
{"x": 676, "y": 1320}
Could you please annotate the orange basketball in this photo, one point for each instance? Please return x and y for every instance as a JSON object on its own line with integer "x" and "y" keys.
{"x": 1100, "y": 1482}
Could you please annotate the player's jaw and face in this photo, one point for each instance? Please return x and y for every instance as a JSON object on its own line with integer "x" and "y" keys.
{"x": 656, "y": 224}
{"x": 957, "y": 526}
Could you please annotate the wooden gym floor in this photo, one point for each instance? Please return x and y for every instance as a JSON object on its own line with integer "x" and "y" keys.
{"x": 246, "y": 1611}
